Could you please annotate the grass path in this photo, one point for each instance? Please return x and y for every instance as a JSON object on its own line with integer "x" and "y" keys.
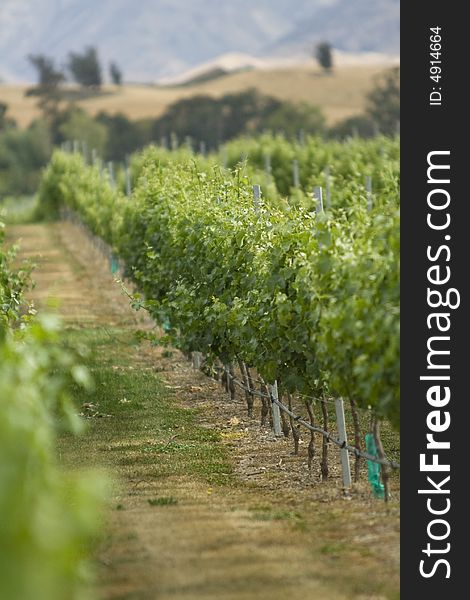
{"x": 183, "y": 521}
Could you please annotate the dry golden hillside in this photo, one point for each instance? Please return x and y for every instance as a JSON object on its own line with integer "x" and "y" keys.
{"x": 339, "y": 95}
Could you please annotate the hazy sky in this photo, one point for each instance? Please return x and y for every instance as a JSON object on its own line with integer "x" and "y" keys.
{"x": 154, "y": 38}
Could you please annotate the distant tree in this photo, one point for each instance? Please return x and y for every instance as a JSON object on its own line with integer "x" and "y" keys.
{"x": 215, "y": 120}
{"x": 324, "y": 56}
{"x": 78, "y": 125}
{"x": 360, "y": 125}
{"x": 48, "y": 76}
{"x": 292, "y": 118}
{"x": 23, "y": 153}
{"x": 85, "y": 68}
{"x": 3, "y": 112}
{"x": 48, "y": 86}
{"x": 5, "y": 122}
{"x": 115, "y": 73}
{"x": 383, "y": 102}
{"x": 124, "y": 136}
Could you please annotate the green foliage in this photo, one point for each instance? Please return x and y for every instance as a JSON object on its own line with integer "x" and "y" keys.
{"x": 123, "y": 135}
{"x": 203, "y": 119}
{"x": 5, "y": 122}
{"x": 163, "y": 501}
{"x": 79, "y": 125}
{"x": 85, "y": 68}
{"x": 215, "y": 120}
{"x": 308, "y": 298}
{"x": 324, "y": 56}
{"x": 383, "y": 102}
{"x": 49, "y": 517}
{"x": 88, "y": 191}
{"x": 22, "y": 155}
{"x": 13, "y": 282}
{"x": 347, "y": 162}
{"x": 360, "y": 126}
{"x": 49, "y": 77}
{"x": 292, "y": 118}
{"x": 115, "y": 73}
{"x": 48, "y": 87}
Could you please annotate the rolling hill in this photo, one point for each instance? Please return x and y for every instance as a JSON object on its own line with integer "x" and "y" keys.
{"x": 339, "y": 95}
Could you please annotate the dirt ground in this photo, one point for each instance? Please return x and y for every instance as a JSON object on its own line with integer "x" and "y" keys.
{"x": 274, "y": 531}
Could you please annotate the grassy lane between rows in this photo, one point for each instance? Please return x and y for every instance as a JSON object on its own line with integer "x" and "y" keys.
{"x": 134, "y": 420}
{"x": 203, "y": 504}
{"x": 140, "y": 431}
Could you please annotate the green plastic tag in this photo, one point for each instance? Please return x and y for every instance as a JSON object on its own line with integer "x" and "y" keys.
{"x": 373, "y": 469}
{"x": 114, "y": 265}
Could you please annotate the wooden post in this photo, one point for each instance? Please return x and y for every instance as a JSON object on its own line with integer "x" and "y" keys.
{"x": 325, "y": 441}
{"x": 295, "y": 427}
{"x": 381, "y": 454}
{"x": 85, "y": 151}
{"x": 202, "y": 147}
{"x": 94, "y": 156}
{"x": 226, "y": 378}
{"x": 111, "y": 173}
{"x": 267, "y": 163}
{"x": 295, "y": 173}
{"x": 369, "y": 191}
{"x": 188, "y": 142}
{"x": 196, "y": 356}
{"x": 340, "y": 421}
{"x": 75, "y": 146}
{"x": 276, "y": 413}
{"x": 318, "y": 196}
{"x": 246, "y": 382}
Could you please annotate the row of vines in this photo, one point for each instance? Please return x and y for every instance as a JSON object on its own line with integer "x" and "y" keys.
{"x": 308, "y": 298}
{"x": 48, "y": 517}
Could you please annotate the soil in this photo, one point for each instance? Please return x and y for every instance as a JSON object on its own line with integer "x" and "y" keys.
{"x": 275, "y": 530}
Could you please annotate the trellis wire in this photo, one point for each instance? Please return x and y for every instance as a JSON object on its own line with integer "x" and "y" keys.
{"x": 272, "y": 397}
{"x": 298, "y": 419}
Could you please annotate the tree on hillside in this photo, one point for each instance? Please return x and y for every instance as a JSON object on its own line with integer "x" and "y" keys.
{"x": 5, "y": 122}
{"x": 215, "y": 120}
{"x": 23, "y": 153}
{"x": 79, "y": 125}
{"x": 115, "y": 73}
{"x": 48, "y": 76}
{"x": 292, "y": 118}
{"x": 324, "y": 56}
{"x": 383, "y": 102}
{"x": 359, "y": 125}
{"x": 48, "y": 86}
{"x": 85, "y": 68}
{"x": 123, "y": 135}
